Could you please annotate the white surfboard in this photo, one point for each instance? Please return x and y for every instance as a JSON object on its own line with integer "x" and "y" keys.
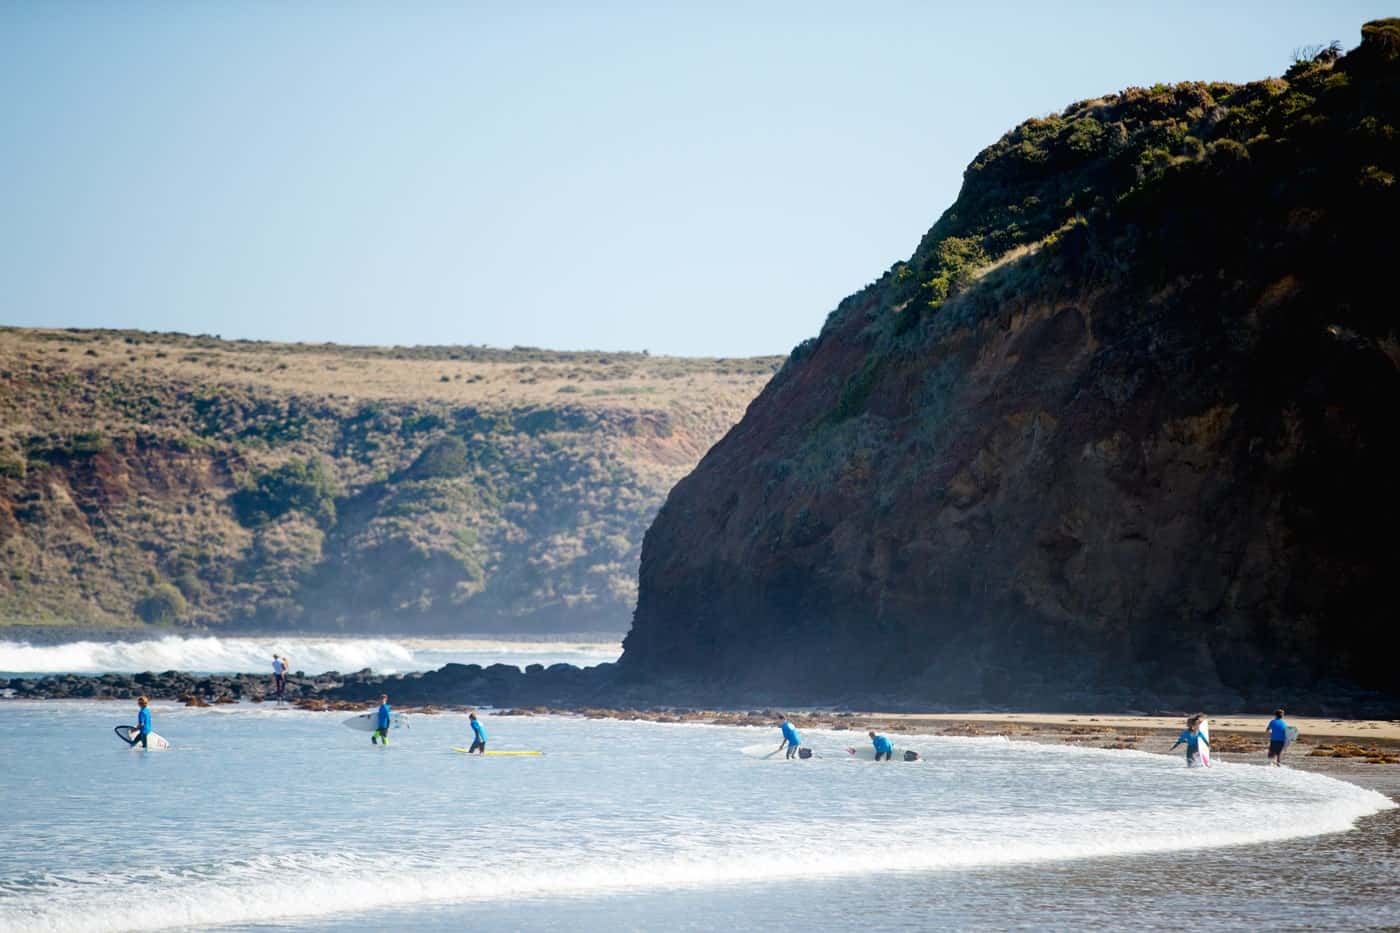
{"x": 867, "y": 753}
{"x": 154, "y": 742}
{"x": 368, "y": 722}
{"x": 1203, "y": 729}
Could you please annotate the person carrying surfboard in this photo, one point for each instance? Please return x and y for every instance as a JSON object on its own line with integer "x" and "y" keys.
{"x": 478, "y": 735}
{"x": 143, "y": 724}
{"x": 791, "y": 740}
{"x": 1193, "y": 740}
{"x": 1278, "y": 738}
{"x": 382, "y": 722}
{"x": 883, "y": 747}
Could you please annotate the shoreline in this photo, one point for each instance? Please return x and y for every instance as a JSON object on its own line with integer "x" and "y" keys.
{"x": 1362, "y": 752}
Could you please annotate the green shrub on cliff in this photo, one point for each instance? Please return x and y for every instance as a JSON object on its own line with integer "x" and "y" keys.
{"x": 445, "y": 458}
{"x": 304, "y": 486}
{"x": 163, "y": 605}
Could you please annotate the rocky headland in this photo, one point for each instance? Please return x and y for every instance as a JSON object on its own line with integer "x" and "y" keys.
{"x": 1120, "y": 433}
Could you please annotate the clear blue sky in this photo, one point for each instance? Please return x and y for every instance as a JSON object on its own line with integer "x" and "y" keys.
{"x": 701, "y": 180}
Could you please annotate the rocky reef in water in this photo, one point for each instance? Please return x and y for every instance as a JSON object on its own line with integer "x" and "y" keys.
{"x": 1121, "y": 432}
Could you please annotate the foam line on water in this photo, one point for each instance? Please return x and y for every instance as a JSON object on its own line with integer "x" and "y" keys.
{"x": 313, "y": 655}
{"x": 307, "y": 885}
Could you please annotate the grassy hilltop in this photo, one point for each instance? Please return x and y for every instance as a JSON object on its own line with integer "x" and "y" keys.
{"x": 187, "y": 481}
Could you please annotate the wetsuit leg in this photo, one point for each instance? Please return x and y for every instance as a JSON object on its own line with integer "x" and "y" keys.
{"x": 477, "y": 745}
{"x": 142, "y": 739}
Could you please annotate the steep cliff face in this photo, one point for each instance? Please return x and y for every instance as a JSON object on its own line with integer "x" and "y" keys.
{"x": 1123, "y": 429}
{"x": 192, "y": 481}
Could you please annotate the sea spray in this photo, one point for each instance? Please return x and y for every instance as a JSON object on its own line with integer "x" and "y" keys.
{"x": 310, "y": 654}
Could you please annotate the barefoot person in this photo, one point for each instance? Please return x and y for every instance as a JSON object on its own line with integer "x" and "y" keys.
{"x": 1278, "y": 738}
{"x": 381, "y": 723}
{"x": 883, "y": 748}
{"x": 478, "y": 736}
{"x": 1193, "y": 740}
{"x": 143, "y": 724}
{"x": 791, "y": 740}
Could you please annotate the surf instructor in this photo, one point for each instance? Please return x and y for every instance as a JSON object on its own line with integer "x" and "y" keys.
{"x": 791, "y": 740}
{"x": 381, "y": 730}
{"x": 143, "y": 723}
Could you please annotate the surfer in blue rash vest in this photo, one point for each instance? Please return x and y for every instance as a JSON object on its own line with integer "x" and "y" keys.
{"x": 382, "y": 722}
{"x": 1193, "y": 740}
{"x": 883, "y": 748}
{"x": 143, "y": 723}
{"x": 1278, "y": 738}
{"x": 791, "y": 740}
{"x": 478, "y": 736}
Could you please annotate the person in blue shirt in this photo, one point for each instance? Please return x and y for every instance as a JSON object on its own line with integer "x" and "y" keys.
{"x": 478, "y": 736}
{"x": 143, "y": 723}
{"x": 1193, "y": 740}
{"x": 381, "y": 723}
{"x": 1278, "y": 738}
{"x": 883, "y": 748}
{"x": 791, "y": 740}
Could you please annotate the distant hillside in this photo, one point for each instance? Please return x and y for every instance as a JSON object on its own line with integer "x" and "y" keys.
{"x": 186, "y": 481}
{"x": 1121, "y": 431}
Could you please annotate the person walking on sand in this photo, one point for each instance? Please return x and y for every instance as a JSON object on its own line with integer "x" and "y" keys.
{"x": 279, "y": 677}
{"x": 143, "y": 723}
{"x": 883, "y": 748}
{"x": 791, "y": 740}
{"x": 478, "y": 735}
{"x": 1193, "y": 740}
{"x": 381, "y": 723}
{"x": 1278, "y": 738}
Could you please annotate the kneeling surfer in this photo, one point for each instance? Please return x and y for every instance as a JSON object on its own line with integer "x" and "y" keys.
{"x": 478, "y": 736}
{"x": 143, "y": 723}
{"x": 1193, "y": 740}
{"x": 791, "y": 740}
{"x": 382, "y": 723}
{"x": 883, "y": 748}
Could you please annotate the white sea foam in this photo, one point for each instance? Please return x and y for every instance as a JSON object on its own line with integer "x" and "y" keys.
{"x": 310, "y": 654}
{"x": 308, "y": 885}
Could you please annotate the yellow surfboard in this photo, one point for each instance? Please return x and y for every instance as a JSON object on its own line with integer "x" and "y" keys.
{"x": 467, "y": 751}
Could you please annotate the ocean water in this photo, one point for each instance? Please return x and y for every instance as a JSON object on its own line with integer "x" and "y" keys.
{"x": 314, "y": 655}
{"x": 262, "y": 819}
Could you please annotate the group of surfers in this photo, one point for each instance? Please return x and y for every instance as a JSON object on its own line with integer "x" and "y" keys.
{"x": 791, "y": 744}
{"x": 1192, "y": 738}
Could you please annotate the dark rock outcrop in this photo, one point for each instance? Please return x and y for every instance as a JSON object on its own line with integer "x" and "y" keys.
{"x": 1121, "y": 432}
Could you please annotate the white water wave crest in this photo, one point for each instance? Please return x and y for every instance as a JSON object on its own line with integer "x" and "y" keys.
{"x": 309, "y": 654}
{"x": 306, "y": 885}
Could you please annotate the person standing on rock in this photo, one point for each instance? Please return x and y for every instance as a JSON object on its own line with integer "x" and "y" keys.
{"x": 143, "y": 723}
{"x": 791, "y": 740}
{"x": 1278, "y": 738}
{"x": 478, "y": 736}
{"x": 882, "y": 747}
{"x": 279, "y": 677}
{"x": 385, "y": 717}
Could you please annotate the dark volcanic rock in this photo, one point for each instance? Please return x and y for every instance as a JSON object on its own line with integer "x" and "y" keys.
{"x": 1122, "y": 431}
